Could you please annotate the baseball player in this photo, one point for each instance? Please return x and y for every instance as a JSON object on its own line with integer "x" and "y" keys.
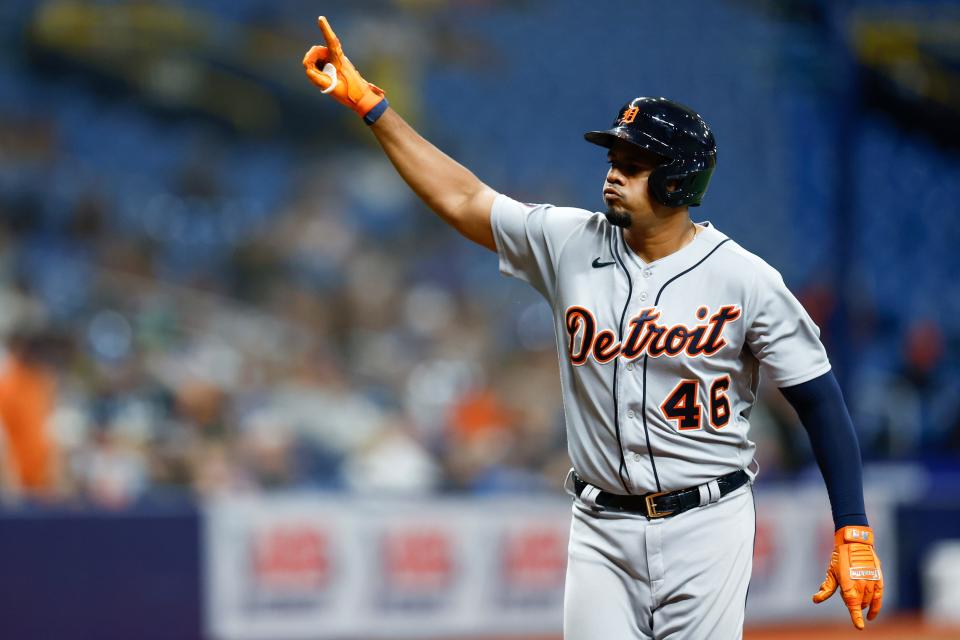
{"x": 663, "y": 326}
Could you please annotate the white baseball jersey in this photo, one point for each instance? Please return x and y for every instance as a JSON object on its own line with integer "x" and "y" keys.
{"x": 659, "y": 362}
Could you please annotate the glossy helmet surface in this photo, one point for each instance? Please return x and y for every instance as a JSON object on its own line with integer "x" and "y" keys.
{"x": 675, "y": 132}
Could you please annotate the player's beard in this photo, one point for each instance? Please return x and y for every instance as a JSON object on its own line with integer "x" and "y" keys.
{"x": 619, "y": 217}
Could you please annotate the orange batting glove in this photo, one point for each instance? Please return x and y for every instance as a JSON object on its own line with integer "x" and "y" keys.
{"x": 338, "y": 77}
{"x": 856, "y": 569}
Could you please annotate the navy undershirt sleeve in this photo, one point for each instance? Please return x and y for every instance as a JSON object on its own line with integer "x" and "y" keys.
{"x": 819, "y": 403}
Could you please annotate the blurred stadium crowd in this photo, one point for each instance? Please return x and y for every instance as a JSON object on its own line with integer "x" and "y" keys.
{"x": 199, "y": 298}
{"x": 297, "y": 352}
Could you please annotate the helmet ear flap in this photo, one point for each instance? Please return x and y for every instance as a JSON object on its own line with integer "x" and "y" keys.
{"x": 690, "y": 178}
{"x": 657, "y": 184}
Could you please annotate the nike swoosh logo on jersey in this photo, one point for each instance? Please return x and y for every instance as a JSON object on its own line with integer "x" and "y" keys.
{"x": 597, "y": 264}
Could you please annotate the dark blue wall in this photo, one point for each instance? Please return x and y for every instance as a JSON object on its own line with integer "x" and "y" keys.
{"x": 94, "y": 575}
{"x": 919, "y": 528}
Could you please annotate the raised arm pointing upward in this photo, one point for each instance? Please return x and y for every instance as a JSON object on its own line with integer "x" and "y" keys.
{"x": 446, "y": 186}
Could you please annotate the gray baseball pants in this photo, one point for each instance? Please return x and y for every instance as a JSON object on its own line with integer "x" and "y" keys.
{"x": 678, "y": 578}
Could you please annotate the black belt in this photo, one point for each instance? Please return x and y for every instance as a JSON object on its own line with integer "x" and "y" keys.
{"x": 664, "y": 503}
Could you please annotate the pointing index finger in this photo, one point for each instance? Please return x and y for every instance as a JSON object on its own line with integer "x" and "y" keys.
{"x": 332, "y": 40}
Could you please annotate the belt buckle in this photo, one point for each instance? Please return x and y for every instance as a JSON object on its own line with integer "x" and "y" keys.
{"x": 652, "y": 509}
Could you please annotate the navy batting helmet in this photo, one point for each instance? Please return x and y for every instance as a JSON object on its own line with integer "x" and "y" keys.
{"x": 675, "y": 132}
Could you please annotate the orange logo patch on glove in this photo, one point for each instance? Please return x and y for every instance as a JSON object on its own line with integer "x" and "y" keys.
{"x": 864, "y": 574}
{"x": 855, "y": 534}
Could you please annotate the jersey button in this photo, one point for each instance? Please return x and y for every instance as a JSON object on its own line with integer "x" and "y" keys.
{"x": 637, "y": 457}
{"x": 642, "y": 296}
{"x": 647, "y": 273}
{"x": 631, "y": 414}
{"x": 629, "y": 366}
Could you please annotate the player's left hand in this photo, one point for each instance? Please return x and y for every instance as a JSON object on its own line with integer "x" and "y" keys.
{"x": 855, "y": 568}
{"x": 338, "y": 77}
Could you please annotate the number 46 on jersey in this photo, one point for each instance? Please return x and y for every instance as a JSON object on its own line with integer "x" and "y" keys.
{"x": 683, "y": 407}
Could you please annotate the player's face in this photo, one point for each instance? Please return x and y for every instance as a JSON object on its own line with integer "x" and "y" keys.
{"x": 625, "y": 189}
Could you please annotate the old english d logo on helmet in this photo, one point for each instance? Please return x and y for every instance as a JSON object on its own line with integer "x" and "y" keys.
{"x": 675, "y": 132}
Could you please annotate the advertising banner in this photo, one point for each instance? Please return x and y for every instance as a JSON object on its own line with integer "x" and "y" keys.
{"x": 332, "y": 567}
{"x": 312, "y": 567}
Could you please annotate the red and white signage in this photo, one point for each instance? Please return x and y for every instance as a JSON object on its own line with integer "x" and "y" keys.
{"x": 312, "y": 567}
